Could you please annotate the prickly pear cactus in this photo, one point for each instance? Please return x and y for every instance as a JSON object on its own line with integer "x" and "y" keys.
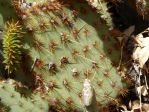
{"x": 18, "y": 103}
{"x": 70, "y": 44}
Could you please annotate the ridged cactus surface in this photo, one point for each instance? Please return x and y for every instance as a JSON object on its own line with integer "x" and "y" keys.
{"x": 71, "y": 43}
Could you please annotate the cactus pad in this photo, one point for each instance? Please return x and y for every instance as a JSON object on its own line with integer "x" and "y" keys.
{"x": 18, "y": 103}
{"x": 71, "y": 43}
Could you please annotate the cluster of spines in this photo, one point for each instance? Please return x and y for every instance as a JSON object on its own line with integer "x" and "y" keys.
{"x": 17, "y": 6}
{"x": 12, "y": 46}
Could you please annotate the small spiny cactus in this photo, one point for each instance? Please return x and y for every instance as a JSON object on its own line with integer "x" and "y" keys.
{"x": 12, "y": 46}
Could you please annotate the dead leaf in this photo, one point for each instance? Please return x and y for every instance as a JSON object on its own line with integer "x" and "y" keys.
{"x": 141, "y": 53}
{"x": 142, "y": 90}
{"x": 141, "y": 41}
{"x": 130, "y": 104}
{"x": 123, "y": 36}
{"x": 123, "y": 108}
{"x": 116, "y": 33}
{"x": 145, "y": 107}
{"x": 135, "y": 106}
{"x": 129, "y": 30}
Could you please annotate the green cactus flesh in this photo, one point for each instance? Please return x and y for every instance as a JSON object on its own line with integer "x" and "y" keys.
{"x": 17, "y": 103}
{"x": 68, "y": 45}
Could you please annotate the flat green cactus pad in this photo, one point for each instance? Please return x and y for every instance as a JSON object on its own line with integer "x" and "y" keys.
{"x": 17, "y": 103}
{"x": 68, "y": 45}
